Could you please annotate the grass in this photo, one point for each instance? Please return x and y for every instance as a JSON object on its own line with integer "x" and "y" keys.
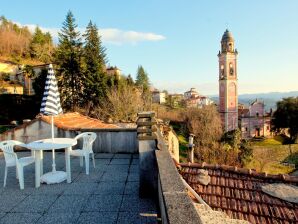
{"x": 269, "y": 154}
{"x": 183, "y": 148}
{"x": 277, "y": 140}
{"x": 183, "y": 142}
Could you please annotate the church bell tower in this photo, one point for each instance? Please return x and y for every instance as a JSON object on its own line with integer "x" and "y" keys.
{"x": 228, "y": 82}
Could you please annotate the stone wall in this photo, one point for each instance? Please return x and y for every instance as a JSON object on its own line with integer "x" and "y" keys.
{"x": 120, "y": 140}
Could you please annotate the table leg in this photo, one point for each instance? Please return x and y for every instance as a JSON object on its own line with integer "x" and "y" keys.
{"x": 37, "y": 168}
{"x": 67, "y": 161}
{"x": 41, "y": 162}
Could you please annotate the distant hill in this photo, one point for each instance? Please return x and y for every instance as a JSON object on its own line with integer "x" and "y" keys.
{"x": 269, "y": 99}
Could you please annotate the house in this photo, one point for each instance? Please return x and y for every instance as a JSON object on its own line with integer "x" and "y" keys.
{"x": 175, "y": 100}
{"x": 64, "y": 125}
{"x": 254, "y": 121}
{"x": 243, "y": 193}
{"x": 158, "y": 97}
{"x": 8, "y": 67}
{"x": 11, "y": 88}
{"x": 197, "y": 102}
{"x": 113, "y": 70}
{"x": 192, "y": 93}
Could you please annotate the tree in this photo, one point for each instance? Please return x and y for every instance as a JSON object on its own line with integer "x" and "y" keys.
{"x": 286, "y": 116}
{"x": 241, "y": 147}
{"x": 205, "y": 124}
{"x": 129, "y": 80}
{"x": 142, "y": 80}
{"x": 95, "y": 58}
{"x": 69, "y": 61}
{"x": 14, "y": 40}
{"x": 39, "y": 84}
{"x": 121, "y": 104}
{"x": 41, "y": 46}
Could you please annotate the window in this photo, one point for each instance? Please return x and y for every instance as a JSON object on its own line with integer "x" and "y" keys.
{"x": 246, "y": 129}
{"x": 257, "y": 113}
{"x": 231, "y": 69}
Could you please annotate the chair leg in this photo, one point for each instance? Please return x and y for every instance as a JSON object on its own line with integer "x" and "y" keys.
{"x": 81, "y": 161}
{"x": 21, "y": 176}
{"x": 5, "y": 176}
{"x": 87, "y": 163}
{"x": 17, "y": 175}
{"x": 93, "y": 160}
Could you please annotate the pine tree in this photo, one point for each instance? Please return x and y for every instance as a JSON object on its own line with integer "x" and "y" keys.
{"x": 142, "y": 80}
{"x": 95, "y": 59}
{"x": 129, "y": 80}
{"x": 41, "y": 46}
{"x": 69, "y": 61}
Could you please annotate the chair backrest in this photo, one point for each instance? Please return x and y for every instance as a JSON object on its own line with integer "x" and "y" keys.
{"x": 7, "y": 148}
{"x": 88, "y": 139}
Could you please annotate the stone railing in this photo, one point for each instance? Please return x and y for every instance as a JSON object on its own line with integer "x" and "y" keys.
{"x": 159, "y": 176}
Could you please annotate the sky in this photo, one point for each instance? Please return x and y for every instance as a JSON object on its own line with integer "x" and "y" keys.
{"x": 177, "y": 42}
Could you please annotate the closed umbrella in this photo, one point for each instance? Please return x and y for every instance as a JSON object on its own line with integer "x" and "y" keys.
{"x": 51, "y": 106}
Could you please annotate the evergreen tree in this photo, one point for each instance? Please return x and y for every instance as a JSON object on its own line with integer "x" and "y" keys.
{"x": 129, "y": 80}
{"x": 69, "y": 61}
{"x": 142, "y": 80}
{"x": 95, "y": 59}
{"x": 41, "y": 46}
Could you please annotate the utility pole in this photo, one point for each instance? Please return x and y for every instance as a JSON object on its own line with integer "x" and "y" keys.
{"x": 191, "y": 148}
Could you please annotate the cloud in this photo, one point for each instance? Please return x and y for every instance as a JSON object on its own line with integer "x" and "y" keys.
{"x": 109, "y": 35}
{"x": 117, "y": 36}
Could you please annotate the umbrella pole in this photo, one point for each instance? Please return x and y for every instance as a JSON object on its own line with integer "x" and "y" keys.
{"x": 53, "y": 151}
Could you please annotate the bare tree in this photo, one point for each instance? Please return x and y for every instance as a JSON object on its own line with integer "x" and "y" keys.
{"x": 121, "y": 104}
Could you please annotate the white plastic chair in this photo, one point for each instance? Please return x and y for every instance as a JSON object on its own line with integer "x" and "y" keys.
{"x": 11, "y": 159}
{"x": 88, "y": 139}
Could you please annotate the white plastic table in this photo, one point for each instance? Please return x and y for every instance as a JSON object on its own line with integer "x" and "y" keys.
{"x": 51, "y": 144}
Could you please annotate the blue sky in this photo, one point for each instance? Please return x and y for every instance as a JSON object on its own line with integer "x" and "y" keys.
{"x": 177, "y": 41}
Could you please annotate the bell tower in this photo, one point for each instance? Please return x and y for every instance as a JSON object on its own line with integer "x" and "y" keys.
{"x": 228, "y": 82}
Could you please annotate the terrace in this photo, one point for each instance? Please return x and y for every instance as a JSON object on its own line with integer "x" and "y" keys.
{"x": 135, "y": 180}
{"x": 109, "y": 194}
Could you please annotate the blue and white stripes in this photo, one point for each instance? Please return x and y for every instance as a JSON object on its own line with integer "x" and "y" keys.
{"x": 50, "y": 104}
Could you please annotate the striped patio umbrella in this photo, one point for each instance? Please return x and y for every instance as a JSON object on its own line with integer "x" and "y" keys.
{"x": 50, "y": 104}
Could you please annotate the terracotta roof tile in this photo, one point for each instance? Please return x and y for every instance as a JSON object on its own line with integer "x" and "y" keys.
{"x": 76, "y": 121}
{"x": 237, "y": 192}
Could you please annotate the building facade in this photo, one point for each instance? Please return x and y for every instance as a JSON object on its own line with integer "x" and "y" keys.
{"x": 192, "y": 93}
{"x": 158, "y": 97}
{"x": 254, "y": 121}
{"x": 228, "y": 82}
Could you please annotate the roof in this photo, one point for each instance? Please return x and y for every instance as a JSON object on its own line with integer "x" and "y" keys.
{"x": 237, "y": 192}
{"x": 243, "y": 112}
{"x": 257, "y": 101}
{"x": 227, "y": 36}
{"x": 76, "y": 121}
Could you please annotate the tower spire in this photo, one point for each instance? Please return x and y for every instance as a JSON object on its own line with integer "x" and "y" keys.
{"x": 228, "y": 84}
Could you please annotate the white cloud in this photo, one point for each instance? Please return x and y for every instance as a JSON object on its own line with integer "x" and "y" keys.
{"x": 109, "y": 35}
{"x": 117, "y": 36}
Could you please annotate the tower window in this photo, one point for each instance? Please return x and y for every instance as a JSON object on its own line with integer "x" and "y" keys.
{"x": 222, "y": 71}
{"x": 231, "y": 69}
{"x": 230, "y": 47}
